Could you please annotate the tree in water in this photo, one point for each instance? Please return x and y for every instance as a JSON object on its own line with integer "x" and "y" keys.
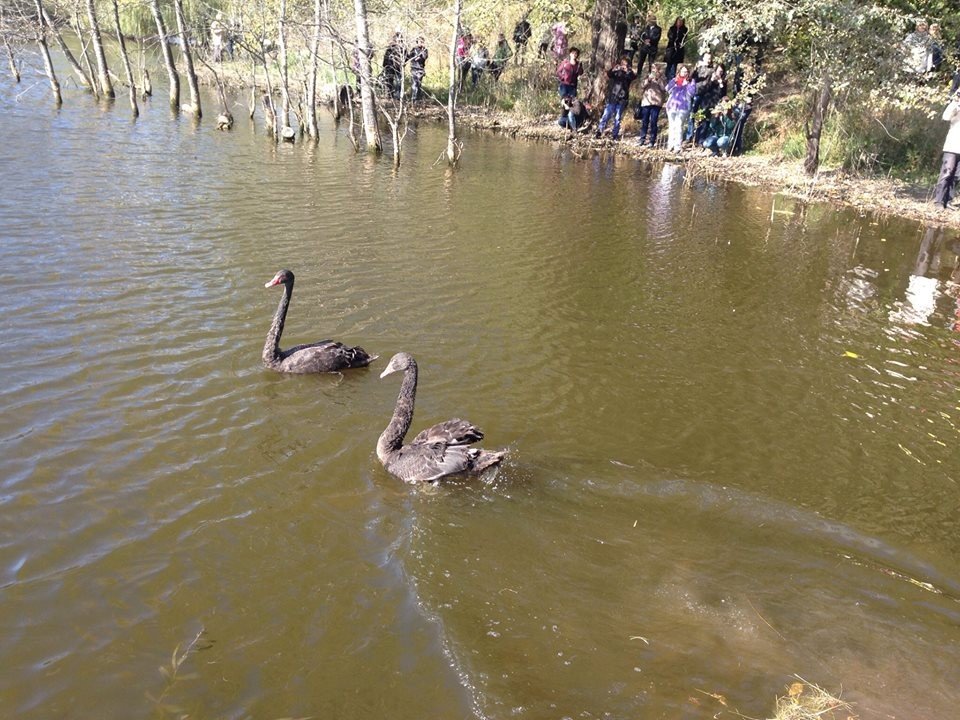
{"x": 172, "y": 74}
{"x": 5, "y": 33}
{"x": 453, "y": 146}
{"x": 103, "y": 72}
{"x": 126, "y": 61}
{"x": 45, "y": 53}
{"x": 367, "y": 100}
{"x": 188, "y": 60}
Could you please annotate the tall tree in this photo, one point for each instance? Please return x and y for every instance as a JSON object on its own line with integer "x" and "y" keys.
{"x": 453, "y": 146}
{"x": 284, "y": 71}
{"x": 45, "y": 53}
{"x": 11, "y": 59}
{"x": 606, "y": 44}
{"x": 126, "y": 60}
{"x": 168, "y": 62}
{"x": 103, "y": 72}
{"x": 367, "y": 100}
{"x": 188, "y": 59}
{"x": 312, "y": 76}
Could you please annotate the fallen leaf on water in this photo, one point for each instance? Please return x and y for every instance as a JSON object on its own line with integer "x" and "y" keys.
{"x": 847, "y": 353}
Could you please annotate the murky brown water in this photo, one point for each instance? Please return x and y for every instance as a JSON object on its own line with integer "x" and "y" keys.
{"x": 733, "y": 434}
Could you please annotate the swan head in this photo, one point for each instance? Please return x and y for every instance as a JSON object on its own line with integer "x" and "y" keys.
{"x": 400, "y": 361}
{"x": 284, "y": 277}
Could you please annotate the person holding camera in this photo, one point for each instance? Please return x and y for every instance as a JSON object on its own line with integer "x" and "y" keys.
{"x": 951, "y": 154}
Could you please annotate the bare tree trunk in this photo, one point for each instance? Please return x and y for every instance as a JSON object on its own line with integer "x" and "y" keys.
{"x": 167, "y": 56}
{"x": 284, "y": 75}
{"x": 603, "y": 51}
{"x": 103, "y": 71}
{"x": 815, "y": 128}
{"x": 188, "y": 60}
{"x": 312, "y": 78}
{"x": 453, "y": 147}
{"x": 126, "y": 61}
{"x": 84, "y": 55}
{"x": 61, "y": 43}
{"x": 45, "y": 52}
{"x": 14, "y": 68}
{"x": 367, "y": 100}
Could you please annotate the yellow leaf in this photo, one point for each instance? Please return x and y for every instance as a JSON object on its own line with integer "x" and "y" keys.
{"x": 849, "y": 354}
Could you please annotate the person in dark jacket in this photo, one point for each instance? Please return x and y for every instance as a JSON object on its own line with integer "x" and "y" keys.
{"x": 393, "y": 61}
{"x": 617, "y": 95}
{"x": 575, "y": 114}
{"x": 709, "y": 93}
{"x": 676, "y": 46}
{"x": 417, "y": 55}
{"x": 649, "y": 43}
{"x": 521, "y": 36}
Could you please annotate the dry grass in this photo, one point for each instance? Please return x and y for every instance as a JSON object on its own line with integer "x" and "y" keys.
{"x": 806, "y": 701}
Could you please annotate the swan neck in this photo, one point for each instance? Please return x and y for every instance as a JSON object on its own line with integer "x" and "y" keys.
{"x": 391, "y": 439}
{"x": 271, "y": 348}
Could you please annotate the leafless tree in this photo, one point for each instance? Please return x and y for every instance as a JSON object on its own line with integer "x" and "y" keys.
{"x": 172, "y": 74}
{"x": 103, "y": 72}
{"x": 45, "y": 53}
{"x": 367, "y": 99}
{"x": 195, "y": 110}
{"x": 134, "y": 108}
{"x": 5, "y": 33}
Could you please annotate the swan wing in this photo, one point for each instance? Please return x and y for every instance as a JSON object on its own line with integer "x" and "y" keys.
{"x": 324, "y": 356}
{"x": 450, "y": 432}
{"x": 429, "y": 462}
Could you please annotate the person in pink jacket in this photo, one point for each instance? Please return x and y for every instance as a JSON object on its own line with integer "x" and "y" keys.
{"x": 951, "y": 154}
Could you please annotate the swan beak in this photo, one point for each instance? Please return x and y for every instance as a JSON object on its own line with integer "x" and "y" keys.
{"x": 273, "y": 282}
{"x": 386, "y": 372}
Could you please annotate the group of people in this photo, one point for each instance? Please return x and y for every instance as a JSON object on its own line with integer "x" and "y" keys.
{"x": 473, "y": 58}
{"x": 395, "y": 57}
{"x": 698, "y": 108}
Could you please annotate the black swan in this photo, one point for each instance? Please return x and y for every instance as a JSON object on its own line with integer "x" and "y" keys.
{"x": 437, "y": 451}
{"x": 320, "y": 357}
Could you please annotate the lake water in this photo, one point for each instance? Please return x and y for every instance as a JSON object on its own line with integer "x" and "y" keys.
{"x": 732, "y": 421}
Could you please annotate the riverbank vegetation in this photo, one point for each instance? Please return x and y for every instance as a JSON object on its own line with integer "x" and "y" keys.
{"x": 829, "y": 82}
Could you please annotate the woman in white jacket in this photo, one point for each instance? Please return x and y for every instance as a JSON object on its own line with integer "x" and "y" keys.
{"x": 951, "y": 154}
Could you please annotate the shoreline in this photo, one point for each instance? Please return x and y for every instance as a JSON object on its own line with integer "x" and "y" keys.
{"x": 880, "y": 196}
{"x": 884, "y": 197}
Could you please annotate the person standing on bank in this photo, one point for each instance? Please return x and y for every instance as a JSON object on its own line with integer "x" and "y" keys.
{"x": 417, "y": 55}
{"x": 653, "y": 96}
{"x": 649, "y": 43}
{"x": 620, "y": 78}
{"x": 676, "y": 46}
{"x": 951, "y": 154}
{"x": 521, "y": 36}
{"x": 680, "y": 92}
{"x": 569, "y": 72}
